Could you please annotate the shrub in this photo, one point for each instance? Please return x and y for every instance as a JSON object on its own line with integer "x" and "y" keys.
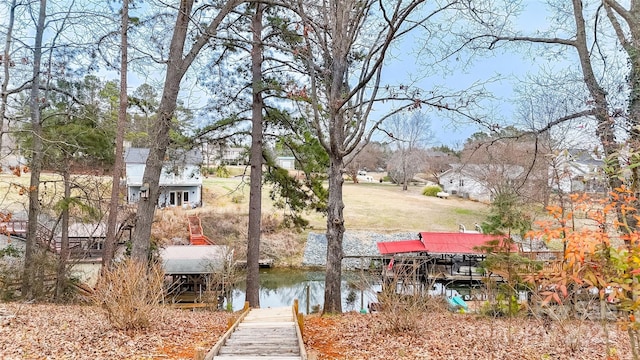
{"x": 431, "y": 190}
{"x": 237, "y": 199}
{"x": 404, "y": 313}
{"x": 10, "y": 272}
{"x": 130, "y": 294}
{"x": 222, "y": 172}
{"x": 504, "y": 305}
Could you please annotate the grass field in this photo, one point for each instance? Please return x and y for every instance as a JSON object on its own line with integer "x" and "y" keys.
{"x": 368, "y": 206}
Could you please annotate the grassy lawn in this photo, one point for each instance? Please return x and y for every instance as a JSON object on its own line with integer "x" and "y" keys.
{"x": 368, "y": 206}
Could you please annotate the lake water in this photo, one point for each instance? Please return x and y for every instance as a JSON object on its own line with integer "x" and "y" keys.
{"x": 279, "y": 287}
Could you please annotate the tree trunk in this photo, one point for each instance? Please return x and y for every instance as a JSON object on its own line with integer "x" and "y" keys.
{"x": 405, "y": 186}
{"x": 141, "y": 237}
{"x": 4, "y": 96}
{"x": 335, "y": 233}
{"x": 160, "y": 140}
{"x": 605, "y": 129}
{"x": 61, "y": 275}
{"x": 32, "y": 250}
{"x": 255, "y": 195}
{"x": 176, "y": 68}
{"x": 118, "y": 165}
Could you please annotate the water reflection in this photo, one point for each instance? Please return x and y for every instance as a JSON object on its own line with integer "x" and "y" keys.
{"x": 279, "y": 287}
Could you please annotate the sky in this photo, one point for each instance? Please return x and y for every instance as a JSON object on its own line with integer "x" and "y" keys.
{"x": 508, "y": 66}
{"x": 402, "y": 66}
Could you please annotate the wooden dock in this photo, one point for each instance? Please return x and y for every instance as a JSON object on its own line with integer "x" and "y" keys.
{"x": 266, "y": 334}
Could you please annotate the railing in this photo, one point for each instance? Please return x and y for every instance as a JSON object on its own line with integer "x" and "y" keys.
{"x": 542, "y": 255}
{"x": 299, "y": 320}
{"x": 196, "y": 237}
{"x": 14, "y": 227}
{"x": 231, "y": 327}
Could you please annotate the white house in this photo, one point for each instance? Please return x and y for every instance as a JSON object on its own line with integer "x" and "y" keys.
{"x": 286, "y": 162}
{"x": 180, "y": 180}
{"x": 477, "y": 181}
{"x": 215, "y": 154}
{"x": 575, "y": 170}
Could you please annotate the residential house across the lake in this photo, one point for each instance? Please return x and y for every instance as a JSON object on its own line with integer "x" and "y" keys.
{"x": 286, "y": 162}
{"x": 216, "y": 154}
{"x": 476, "y": 181}
{"x": 180, "y": 180}
{"x": 576, "y": 170}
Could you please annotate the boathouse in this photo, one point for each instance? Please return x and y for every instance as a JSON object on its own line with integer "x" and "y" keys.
{"x": 439, "y": 256}
{"x": 192, "y": 273}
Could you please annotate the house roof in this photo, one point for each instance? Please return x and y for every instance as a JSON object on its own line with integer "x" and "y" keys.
{"x": 136, "y": 155}
{"x": 474, "y": 170}
{"x": 140, "y": 155}
{"x": 584, "y": 157}
{"x": 439, "y": 243}
{"x": 401, "y": 246}
{"x": 81, "y": 230}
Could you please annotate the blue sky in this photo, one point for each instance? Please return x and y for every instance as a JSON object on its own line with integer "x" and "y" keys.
{"x": 508, "y": 66}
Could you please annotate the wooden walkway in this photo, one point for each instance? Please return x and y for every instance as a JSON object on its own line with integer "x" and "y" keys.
{"x": 265, "y": 334}
{"x": 196, "y": 237}
{"x": 14, "y": 227}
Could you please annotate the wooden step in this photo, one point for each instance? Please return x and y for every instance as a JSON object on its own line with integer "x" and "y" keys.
{"x": 260, "y": 350}
{"x": 264, "y": 357}
{"x": 263, "y": 334}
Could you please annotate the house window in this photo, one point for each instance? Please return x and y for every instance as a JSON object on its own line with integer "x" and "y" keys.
{"x": 172, "y": 198}
{"x": 461, "y": 183}
{"x": 97, "y": 245}
{"x": 185, "y": 197}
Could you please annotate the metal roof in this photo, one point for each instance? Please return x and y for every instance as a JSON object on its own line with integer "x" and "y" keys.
{"x": 136, "y": 155}
{"x": 402, "y": 246}
{"x": 140, "y": 155}
{"x": 194, "y": 259}
{"x": 440, "y": 243}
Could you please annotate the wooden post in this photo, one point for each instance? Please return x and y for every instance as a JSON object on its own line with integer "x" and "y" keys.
{"x": 301, "y": 323}
{"x": 308, "y": 299}
{"x": 246, "y": 306}
{"x": 199, "y": 353}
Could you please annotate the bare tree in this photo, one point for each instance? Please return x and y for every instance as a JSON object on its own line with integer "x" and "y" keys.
{"x": 437, "y": 162}
{"x": 32, "y": 250}
{"x": 345, "y": 47}
{"x": 6, "y": 64}
{"x": 177, "y": 63}
{"x": 410, "y": 133}
{"x": 118, "y": 165}
{"x": 372, "y": 157}
{"x": 509, "y": 161}
{"x": 577, "y": 35}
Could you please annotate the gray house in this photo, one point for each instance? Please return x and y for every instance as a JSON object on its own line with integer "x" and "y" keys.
{"x": 180, "y": 180}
